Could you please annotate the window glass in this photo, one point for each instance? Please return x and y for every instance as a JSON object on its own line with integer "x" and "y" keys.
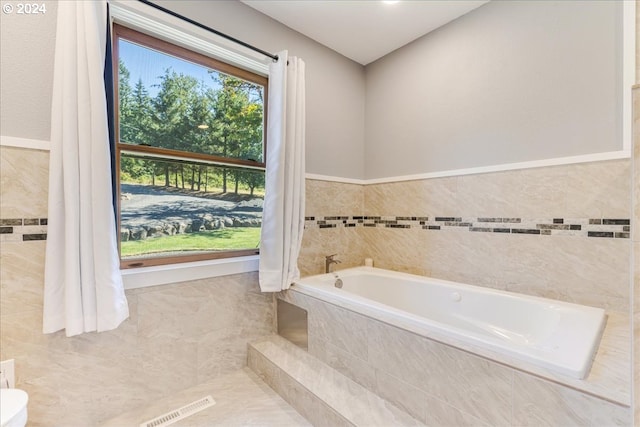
{"x": 190, "y": 153}
{"x": 167, "y": 102}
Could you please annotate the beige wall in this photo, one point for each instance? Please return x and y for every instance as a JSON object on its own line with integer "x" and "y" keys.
{"x": 331, "y": 199}
{"x": 177, "y": 335}
{"x": 567, "y": 265}
{"x": 576, "y": 268}
{"x": 508, "y": 82}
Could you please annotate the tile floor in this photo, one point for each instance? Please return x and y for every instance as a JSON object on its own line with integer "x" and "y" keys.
{"x": 242, "y": 399}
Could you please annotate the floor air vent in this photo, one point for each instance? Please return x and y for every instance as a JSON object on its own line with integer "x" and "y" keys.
{"x": 181, "y": 413}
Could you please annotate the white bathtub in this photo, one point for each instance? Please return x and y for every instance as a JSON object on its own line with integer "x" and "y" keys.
{"x": 554, "y": 335}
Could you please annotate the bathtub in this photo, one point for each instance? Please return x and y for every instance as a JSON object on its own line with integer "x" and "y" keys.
{"x": 554, "y": 335}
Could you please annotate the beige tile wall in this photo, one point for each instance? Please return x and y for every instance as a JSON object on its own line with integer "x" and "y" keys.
{"x": 326, "y": 198}
{"x": 569, "y": 268}
{"x": 581, "y": 270}
{"x": 177, "y": 335}
{"x": 636, "y": 225}
{"x": 440, "y": 385}
{"x": 24, "y": 176}
{"x": 585, "y": 270}
{"x": 592, "y": 271}
{"x": 636, "y": 248}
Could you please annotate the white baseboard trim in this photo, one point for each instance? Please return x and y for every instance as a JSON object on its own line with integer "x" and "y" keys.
{"x": 587, "y": 158}
{"x": 340, "y": 179}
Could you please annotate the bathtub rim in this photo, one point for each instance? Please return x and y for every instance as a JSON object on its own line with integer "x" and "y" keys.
{"x": 600, "y": 382}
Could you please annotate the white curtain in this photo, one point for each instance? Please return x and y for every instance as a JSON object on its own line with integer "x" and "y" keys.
{"x": 83, "y": 289}
{"x": 283, "y": 213}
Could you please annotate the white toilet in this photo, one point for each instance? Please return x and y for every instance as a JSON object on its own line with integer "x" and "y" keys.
{"x": 13, "y": 407}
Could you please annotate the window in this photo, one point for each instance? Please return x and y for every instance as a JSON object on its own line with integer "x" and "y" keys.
{"x": 190, "y": 153}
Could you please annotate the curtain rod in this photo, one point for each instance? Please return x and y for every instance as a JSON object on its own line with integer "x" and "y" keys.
{"x": 204, "y": 27}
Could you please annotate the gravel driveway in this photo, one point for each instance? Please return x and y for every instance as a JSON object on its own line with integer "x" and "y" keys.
{"x": 142, "y": 204}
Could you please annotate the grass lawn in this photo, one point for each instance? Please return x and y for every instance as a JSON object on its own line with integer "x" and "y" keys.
{"x": 214, "y": 240}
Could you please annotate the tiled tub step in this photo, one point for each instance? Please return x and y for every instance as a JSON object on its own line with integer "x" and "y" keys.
{"x": 322, "y": 395}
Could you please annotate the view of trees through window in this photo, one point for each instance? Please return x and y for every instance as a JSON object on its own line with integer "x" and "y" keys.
{"x": 191, "y": 156}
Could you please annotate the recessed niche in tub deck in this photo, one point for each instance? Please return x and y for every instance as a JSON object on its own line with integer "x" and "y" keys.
{"x": 555, "y": 335}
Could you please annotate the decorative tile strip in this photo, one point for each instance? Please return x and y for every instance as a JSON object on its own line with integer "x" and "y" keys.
{"x": 616, "y": 221}
{"x": 447, "y": 219}
{"x": 613, "y": 228}
{"x": 39, "y": 236}
{"x": 481, "y": 229}
{"x": 525, "y": 231}
{"x": 600, "y": 234}
{"x": 23, "y": 229}
{"x": 507, "y": 220}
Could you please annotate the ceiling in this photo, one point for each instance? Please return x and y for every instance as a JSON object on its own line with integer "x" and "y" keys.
{"x": 364, "y": 30}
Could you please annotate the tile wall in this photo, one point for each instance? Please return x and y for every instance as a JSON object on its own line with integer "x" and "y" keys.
{"x": 636, "y": 221}
{"x": 561, "y": 232}
{"x": 177, "y": 335}
{"x": 576, "y": 246}
{"x": 636, "y": 248}
{"x": 559, "y": 262}
{"x": 330, "y": 199}
{"x": 440, "y": 385}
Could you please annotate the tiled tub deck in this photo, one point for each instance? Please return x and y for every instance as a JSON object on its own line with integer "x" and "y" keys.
{"x": 442, "y": 385}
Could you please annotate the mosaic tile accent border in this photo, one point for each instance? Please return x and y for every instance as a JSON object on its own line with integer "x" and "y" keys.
{"x": 583, "y": 227}
{"x": 29, "y": 229}
{"x": 23, "y": 229}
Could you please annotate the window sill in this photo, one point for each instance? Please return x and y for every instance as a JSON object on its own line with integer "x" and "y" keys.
{"x": 165, "y": 274}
